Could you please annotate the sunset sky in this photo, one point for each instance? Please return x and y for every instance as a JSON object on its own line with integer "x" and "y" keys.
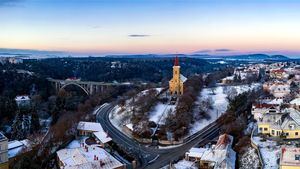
{"x": 157, "y": 26}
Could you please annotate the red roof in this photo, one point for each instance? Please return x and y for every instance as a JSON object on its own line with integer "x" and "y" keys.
{"x": 223, "y": 141}
{"x": 278, "y": 71}
{"x": 263, "y": 105}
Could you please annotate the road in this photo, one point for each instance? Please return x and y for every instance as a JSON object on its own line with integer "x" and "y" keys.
{"x": 148, "y": 157}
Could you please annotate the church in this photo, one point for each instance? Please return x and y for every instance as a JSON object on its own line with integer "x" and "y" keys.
{"x": 177, "y": 82}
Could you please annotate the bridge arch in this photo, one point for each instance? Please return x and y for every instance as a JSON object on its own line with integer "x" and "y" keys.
{"x": 72, "y": 83}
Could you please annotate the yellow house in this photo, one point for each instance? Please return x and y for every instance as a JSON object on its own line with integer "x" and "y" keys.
{"x": 291, "y": 125}
{"x": 281, "y": 124}
{"x": 177, "y": 82}
{"x": 269, "y": 122}
{"x": 290, "y": 158}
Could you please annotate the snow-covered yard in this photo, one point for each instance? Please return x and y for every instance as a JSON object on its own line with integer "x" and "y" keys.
{"x": 218, "y": 96}
{"x": 270, "y": 152}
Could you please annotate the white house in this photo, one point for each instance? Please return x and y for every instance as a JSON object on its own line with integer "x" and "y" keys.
{"x": 95, "y": 130}
{"x": 87, "y": 157}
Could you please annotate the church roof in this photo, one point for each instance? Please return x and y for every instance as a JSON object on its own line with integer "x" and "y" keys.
{"x": 176, "y": 61}
{"x": 182, "y": 78}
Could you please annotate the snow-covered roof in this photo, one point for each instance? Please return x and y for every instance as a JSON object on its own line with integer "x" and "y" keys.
{"x": 130, "y": 126}
{"x": 183, "y": 78}
{"x": 22, "y": 98}
{"x": 276, "y": 101}
{"x": 292, "y": 121}
{"x": 229, "y": 78}
{"x": 89, "y": 126}
{"x": 102, "y": 136}
{"x": 290, "y": 156}
{"x": 196, "y": 152}
{"x": 2, "y": 137}
{"x": 16, "y": 147}
{"x": 14, "y": 144}
{"x": 184, "y": 164}
{"x": 222, "y": 155}
{"x": 295, "y": 101}
{"x": 87, "y": 157}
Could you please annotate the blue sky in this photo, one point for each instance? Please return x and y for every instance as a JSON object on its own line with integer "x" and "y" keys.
{"x": 140, "y": 26}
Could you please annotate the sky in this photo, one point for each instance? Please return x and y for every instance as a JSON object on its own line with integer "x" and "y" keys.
{"x": 156, "y": 26}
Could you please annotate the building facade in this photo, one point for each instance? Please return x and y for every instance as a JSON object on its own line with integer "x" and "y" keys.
{"x": 3, "y": 152}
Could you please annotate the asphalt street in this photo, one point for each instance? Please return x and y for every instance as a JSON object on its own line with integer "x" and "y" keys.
{"x": 149, "y": 157}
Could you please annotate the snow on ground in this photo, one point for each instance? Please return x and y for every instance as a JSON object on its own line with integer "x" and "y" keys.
{"x": 120, "y": 116}
{"x": 160, "y": 112}
{"x": 249, "y": 160}
{"x": 184, "y": 164}
{"x": 220, "y": 102}
{"x": 270, "y": 152}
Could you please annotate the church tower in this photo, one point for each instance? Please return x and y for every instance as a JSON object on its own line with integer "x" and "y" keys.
{"x": 177, "y": 82}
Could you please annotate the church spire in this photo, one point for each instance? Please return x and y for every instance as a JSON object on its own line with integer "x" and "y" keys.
{"x": 176, "y": 61}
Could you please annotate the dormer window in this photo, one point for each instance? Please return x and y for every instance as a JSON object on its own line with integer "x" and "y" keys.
{"x": 292, "y": 126}
{"x": 297, "y": 157}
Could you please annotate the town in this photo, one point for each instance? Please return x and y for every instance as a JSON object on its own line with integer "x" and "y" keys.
{"x": 241, "y": 116}
{"x": 149, "y": 84}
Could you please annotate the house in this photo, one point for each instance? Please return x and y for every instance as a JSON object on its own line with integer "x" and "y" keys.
{"x": 278, "y": 73}
{"x": 195, "y": 154}
{"x": 277, "y": 89}
{"x": 295, "y": 103}
{"x": 228, "y": 79}
{"x": 16, "y": 148}
{"x": 88, "y": 128}
{"x": 291, "y": 125}
{"x": 289, "y": 158}
{"x": 94, "y": 130}
{"x": 285, "y": 124}
{"x": 177, "y": 82}
{"x": 220, "y": 156}
{"x": 3, "y": 151}
{"x": 87, "y": 157}
{"x": 259, "y": 109}
{"x": 270, "y": 124}
{"x": 23, "y": 100}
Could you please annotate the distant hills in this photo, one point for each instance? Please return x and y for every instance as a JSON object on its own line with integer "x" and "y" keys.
{"x": 247, "y": 57}
{"x": 26, "y": 53}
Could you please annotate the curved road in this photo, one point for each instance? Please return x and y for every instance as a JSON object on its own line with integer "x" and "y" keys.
{"x": 153, "y": 158}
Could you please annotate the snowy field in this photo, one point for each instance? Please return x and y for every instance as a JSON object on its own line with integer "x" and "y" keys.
{"x": 270, "y": 152}
{"x": 218, "y": 96}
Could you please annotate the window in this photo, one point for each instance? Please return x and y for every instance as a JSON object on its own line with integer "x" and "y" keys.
{"x": 278, "y": 133}
{"x": 296, "y": 133}
{"x": 297, "y": 157}
{"x": 287, "y": 133}
{"x": 265, "y": 129}
{"x": 273, "y": 132}
{"x": 260, "y": 129}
